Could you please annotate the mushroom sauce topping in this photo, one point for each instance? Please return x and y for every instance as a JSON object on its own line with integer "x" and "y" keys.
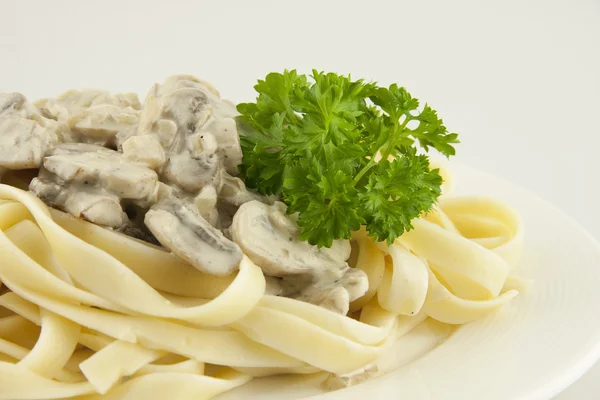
{"x": 165, "y": 172}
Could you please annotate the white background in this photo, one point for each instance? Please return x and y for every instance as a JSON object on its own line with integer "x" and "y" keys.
{"x": 519, "y": 80}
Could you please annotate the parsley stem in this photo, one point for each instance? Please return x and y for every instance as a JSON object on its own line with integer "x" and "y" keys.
{"x": 384, "y": 155}
{"x": 363, "y": 171}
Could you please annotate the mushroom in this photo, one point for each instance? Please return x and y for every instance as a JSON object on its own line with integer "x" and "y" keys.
{"x": 91, "y": 182}
{"x": 93, "y": 116}
{"x": 92, "y": 205}
{"x": 100, "y": 124}
{"x": 172, "y": 112}
{"x": 332, "y": 288}
{"x": 188, "y": 107}
{"x": 180, "y": 228}
{"x": 24, "y": 134}
{"x": 194, "y": 167}
{"x": 90, "y": 166}
{"x": 228, "y": 140}
{"x": 175, "y": 82}
{"x": 11, "y": 102}
{"x": 234, "y": 192}
{"x": 73, "y": 102}
{"x": 271, "y": 239}
{"x": 206, "y": 204}
{"x": 320, "y": 276}
{"x": 196, "y": 129}
{"x": 144, "y": 149}
{"x": 223, "y": 126}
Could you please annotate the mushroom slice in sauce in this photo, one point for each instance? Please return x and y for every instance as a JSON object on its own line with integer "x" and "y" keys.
{"x": 180, "y": 228}
{"x": 234, "y": 192}
{"x": 101, "y": 124}
{"x": 271, "y": 239}
{"x": 228, "y": 140}
{"x": 93, "y": 116}
{"x": 331, "y": 288}
{"x": 90, "y": 181}
{"x": 206, "y": 204}
{"x": 92, "y": 205}
{"x": 144, "y": 149}
{"x": 196, "y": 129}
{"x": 24, "y": 134}
{"x": 173, "y": 113}
{"x": 89, "y": 165}
{"x": 73, "y": 102}
{"x": 11, "y": 102}
{"x": 191, "y": 172}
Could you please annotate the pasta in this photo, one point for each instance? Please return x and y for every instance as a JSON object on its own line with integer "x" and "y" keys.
{"x": 88, "y": 313}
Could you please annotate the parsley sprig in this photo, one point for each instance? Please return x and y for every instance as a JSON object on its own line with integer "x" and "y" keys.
{"x": 342, "y": 153}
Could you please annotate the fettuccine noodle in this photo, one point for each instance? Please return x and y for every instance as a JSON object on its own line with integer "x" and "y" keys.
{"x": 88, "y": 313}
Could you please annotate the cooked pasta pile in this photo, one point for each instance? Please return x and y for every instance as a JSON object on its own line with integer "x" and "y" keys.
{"x": 88, "y": 313}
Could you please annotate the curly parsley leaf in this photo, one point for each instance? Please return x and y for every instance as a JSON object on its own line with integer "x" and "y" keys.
{"x": 398, "y": 191}
{"x": 315, "y": 141}
{"x": 325, "y": 201}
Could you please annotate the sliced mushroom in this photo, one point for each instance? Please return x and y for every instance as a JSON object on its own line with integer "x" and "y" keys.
{"x": 195, "y": 128}
{"x": 206, "y": 203}
{"x": 332, "y": 288}
{"x": 172, "y": 112}
{"x": 234, "y": 192}
{"x": 229, "y": 149}
{"x": 92, "y": 205}
{"x": 100, "y": 124}
{"x": 89, "y": 165}
{"x": 93, "y": 116}
{"x": 73, "y": 102}
{"x": 223, "y": 126}
{"x": 180, "y": 228}
{"x": 144, "y": 149}
{"x": 271, "y": 239}
{"x": 11, "y": 102}
{"x": 182, "y": 81}
{"x": 91, "y": 182}
{"x": 24, "y": 134}
{"x": 188, "y": 107}
{"x": 219, "y": 122}
{"x": 22, "y": 143}
{"x": 191, "y": 173}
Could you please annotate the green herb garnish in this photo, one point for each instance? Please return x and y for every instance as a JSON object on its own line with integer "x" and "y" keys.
{"x": 316, "y": 142}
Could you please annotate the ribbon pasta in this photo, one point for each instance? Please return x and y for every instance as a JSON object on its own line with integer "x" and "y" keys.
{"x": 87, "y": 313}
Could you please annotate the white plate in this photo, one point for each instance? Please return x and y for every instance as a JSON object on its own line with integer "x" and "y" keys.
{"x": 532, "y": 349}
